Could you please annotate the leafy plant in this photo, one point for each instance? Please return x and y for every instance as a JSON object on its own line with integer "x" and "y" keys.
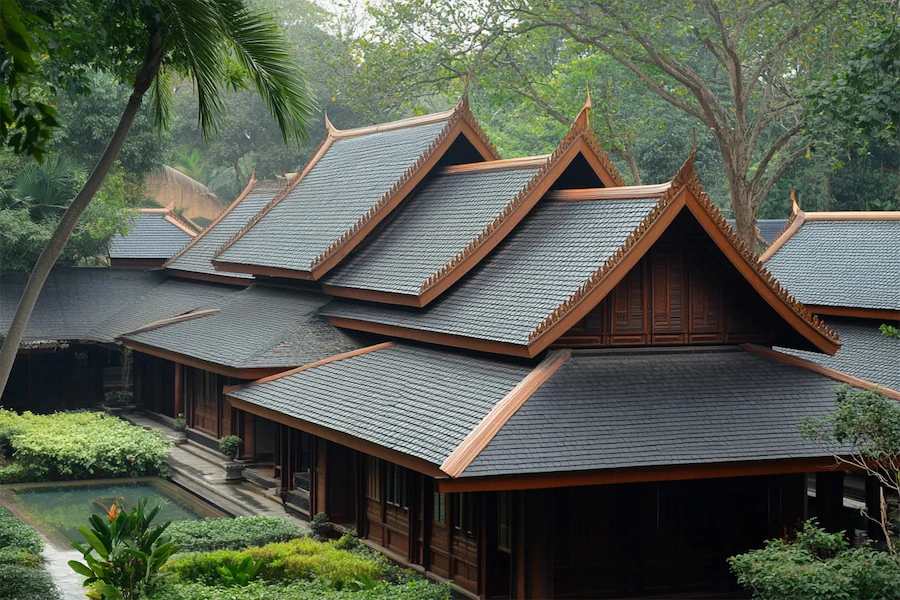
{"x": 817, "y": 566}
{"x": 230, "y": 445}
{"x": 889, "y": 330}
{"x": 22, "y": 575}
{"x": 321, "y": 525}
{"x": 180, "y": 424}
{"x": 419, "y": 589}
{"x": 232, "y": 534}
{"x": 123, "y": 554}
{"x": 239, "y": 575}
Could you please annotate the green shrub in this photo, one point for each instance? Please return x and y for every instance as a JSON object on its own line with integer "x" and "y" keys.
{"x": 232, "y": 534}
{"x": 817, "y": 566}
{"x": 230, "y": 445}
{"x": 22, "y": 558}
{"x": 24, "y": 583}
{"x": 16, "y": 535}
{"x": 305, "y": 590}
{"x": 79, "y": 445}
{"x": 300, "y": 559}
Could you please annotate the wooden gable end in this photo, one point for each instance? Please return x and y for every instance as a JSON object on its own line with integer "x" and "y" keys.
{"x": 682, "y": 291}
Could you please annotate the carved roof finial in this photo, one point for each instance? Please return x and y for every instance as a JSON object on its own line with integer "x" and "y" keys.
{"x": 328, "y": 124}
{"x": 582, "y": 121}
{"x": 694, "y": 139}
{"x": 795, "y": 206}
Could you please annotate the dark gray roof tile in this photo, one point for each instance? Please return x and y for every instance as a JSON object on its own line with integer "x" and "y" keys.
{"x": 151, "y": 236}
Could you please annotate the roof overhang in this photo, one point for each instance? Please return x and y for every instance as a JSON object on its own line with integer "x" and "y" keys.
{"x": 226, "y": 370}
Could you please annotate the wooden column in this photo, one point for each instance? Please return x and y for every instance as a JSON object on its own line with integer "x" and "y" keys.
{"x": 830, "y": 500}
{"x": 534, "y": 564}
{"x": 179, "y": 392}
{"x": 873, "y": 507}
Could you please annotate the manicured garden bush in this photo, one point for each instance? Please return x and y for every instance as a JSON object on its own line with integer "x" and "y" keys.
{"x": 817, "y": 566}
{"x": 78, "y": 445}
{"x": 22, "y": 574}
{"x": 305, "y": 590}
{"x": 300, "y": 559}
{"x": 232, "y": 534}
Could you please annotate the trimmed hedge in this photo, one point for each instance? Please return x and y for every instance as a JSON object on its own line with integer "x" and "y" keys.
{"x": 207, "y": 535}
{"x": 305, "y": 590}
{"x": 301, "y": 559}
{"x": 78, "y": 445}
{"x": 22, "y": 576}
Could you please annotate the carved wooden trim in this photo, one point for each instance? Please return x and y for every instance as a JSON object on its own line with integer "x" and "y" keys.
{"x": 885, "y": 314}
{"x": 793, "y": 225}
{"x": 171, "y": 320}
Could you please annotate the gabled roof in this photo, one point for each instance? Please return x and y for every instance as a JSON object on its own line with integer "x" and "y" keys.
{"x": 355, "y": 179}
{"x": 560, "y": 262}
{"x": 74, "y": 300}
{"x": 461, "y": 417}
{"x": 866, "y": 354}
{"x": 457, "y": 218}
{"x": 835, "y": 260}
{"x": 261, "y": 328}
{"x": 766, "y": 229}
{"x": 156, "y": 234}
{"x": 195, "y": 259}
{"x": 170, "y": 299}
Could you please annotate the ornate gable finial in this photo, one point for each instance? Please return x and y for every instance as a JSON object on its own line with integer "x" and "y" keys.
{"x": 795, "y": 206}
{"x": 328, "y": 124}
{"x": 583, "y": 121}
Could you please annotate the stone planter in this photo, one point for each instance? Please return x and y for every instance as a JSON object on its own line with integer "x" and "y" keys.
{"x": 179, "y": 437}
{"x": 234, "y": 471}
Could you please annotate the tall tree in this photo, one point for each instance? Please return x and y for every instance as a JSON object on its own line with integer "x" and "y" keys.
{"x": 216, "y": 43}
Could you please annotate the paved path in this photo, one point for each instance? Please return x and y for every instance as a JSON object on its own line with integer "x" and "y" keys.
{"x": 56, "y": 562}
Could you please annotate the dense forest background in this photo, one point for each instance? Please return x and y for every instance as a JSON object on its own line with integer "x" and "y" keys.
{"x": 370, "y": 63}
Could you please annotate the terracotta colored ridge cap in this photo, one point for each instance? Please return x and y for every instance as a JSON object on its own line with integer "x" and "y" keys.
{"x": 497, "y": 165}
{"x": 312, "y": 365}
{"x": 821, "y": 370}
{"x": 611, "y": 193}
{"x": 177, "y": 223}
{"x": 478, "y": 439}
{"x": 793, "y": 225}
{"x": 389, "y": 126}
{"x": 247, "y": 189}
{"x": 155, "y": 211}
{"x": 854, "y": 215}
{"x": 172, "y": 320}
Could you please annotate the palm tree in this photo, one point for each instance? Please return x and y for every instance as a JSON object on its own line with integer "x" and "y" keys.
{"x": 45, "y": 189}
{"x": 204, "y": 39}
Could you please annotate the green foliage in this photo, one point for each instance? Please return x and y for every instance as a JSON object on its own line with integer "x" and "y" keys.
{"x": 232, "y": 534}
{"x": 239, "y": 575}
{"x": 22, "y": 576}
{"x": 180, "y": 424}
{"x": 866, "y": 422}
{"x": 230, "y": 445}
{"x": 817, "y": 566}
{"x": 123, "y": 553}
{"x": 321, "y": 525}
{"x": 306, "y": 590}
{"x": 79, "y": 445}
{"x": 885, "y": 329}
{"x": 304, "y": 558}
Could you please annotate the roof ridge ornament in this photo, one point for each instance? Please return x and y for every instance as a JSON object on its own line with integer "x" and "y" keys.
{"x": 329, "y": 126}
{"x": 795, "y": 206}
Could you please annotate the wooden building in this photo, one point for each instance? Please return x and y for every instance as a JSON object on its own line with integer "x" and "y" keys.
{"x": 156, "y": 235}
{"x": 521, "y": 376}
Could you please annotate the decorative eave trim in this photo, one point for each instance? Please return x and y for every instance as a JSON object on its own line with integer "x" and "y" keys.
{"x": 459, "y": 120}
{"x": 182, "y": 226}
{"x": 312, "y": 365}
{"x": 885, "y": 314}
{"x": 478, "y": 439}
{"x": 172, "y": 320}
{"x": 247, "y": 189}
{"x": 794, "y": 222}
{"x": 821, "y": 370}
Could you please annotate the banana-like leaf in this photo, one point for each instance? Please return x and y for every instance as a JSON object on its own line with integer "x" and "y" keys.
{"x": 94, "y": 541}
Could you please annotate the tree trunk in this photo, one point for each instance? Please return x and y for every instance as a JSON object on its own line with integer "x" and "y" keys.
{"x": 632, "y": 164}
{"x": 744, "y": 215}
{"x": 66, "y": 226}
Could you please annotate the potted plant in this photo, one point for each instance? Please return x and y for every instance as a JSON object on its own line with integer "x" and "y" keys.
{"x": 230, "y": 445}
{"x": 180, "y": 428}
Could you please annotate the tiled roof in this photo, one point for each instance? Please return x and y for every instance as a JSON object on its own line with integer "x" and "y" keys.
{"x": 74, "y": 301}
{"x": 551, "y": 253}
{"x": 344, "y": 187}
{"x": 197, "y": 257}
{"x": 608, "y": 411}
{"x": 153, "y": 235}
{"x": 865, "y": 353}
{"x": 430, "y": 229}
{"x": 410, "y": 399}
{"x": 260, "y": 327}
{"x": 848, "y": 263}
{"x": 171, "y": 299}
{"x": 768, "y": 228}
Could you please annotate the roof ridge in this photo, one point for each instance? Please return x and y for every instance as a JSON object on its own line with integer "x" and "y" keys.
{"x": 627, "y": 192}
{"x": 579, "y": 129}
{"x": 404, "y": 123}
{"x": 461, "y": 113}
{"x": 174, "y": 220}
{"x": 482, "y": 434}
{"x": 795, "y": 215}
{"x": 854, "y": 215}
{"x": 188, "y": 316}
{"x": 247, "y": 189}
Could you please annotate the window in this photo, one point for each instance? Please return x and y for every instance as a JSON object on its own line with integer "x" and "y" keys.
{"x": 464, "y": 517}
{"x": 440, "y": 508}
{"x": 396, "y": 486}
{"x": 373, "y": 479}
{"x": 504, "y": 521}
